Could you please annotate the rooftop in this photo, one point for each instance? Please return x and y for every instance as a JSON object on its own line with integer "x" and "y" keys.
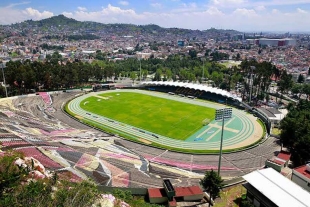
{"x": 278, "y": 189}
{"x": 284, "y": 155}
{"x": 179, "y": 191}
{"x": 277, "y": 161}
{"x": 187, "y": 191}
{"x": 156, "y": 192}
{"x": 302, "y": 170}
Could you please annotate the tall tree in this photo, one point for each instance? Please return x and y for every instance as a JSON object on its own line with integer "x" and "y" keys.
{"x": 158, "y": 75}
{"x": 286, "y": 83}
{"x": 212, "y": 183}
{"x": 133, "y": 76}
{"x": 300, "y": 78}
{"x": 295, "y": 132}
{"x": 192, "y": 53}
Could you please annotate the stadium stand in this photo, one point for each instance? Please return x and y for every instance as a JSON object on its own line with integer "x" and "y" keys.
{"x": 194, "y": 91}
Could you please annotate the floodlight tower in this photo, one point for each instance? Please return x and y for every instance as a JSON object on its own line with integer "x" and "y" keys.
{"x": 221, "y": 115}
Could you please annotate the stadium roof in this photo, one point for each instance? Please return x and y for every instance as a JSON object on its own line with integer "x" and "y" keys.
{"x": 196, "y": 87}
{"x": 278, "y": 189}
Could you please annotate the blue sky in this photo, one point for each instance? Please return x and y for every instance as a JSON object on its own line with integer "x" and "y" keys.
{"x": 243, "y": 15}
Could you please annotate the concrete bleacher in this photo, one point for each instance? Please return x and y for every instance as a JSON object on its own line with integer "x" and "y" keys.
{"x": 163, "y": 172}
{"x": 100, "y": 175}
{"x": 35, "y": 153}
{"x": 71, "y": 156}
{"x": 126, "y": 166}
{"x": 139, "y": 179}
{"x": 46, "y": 98}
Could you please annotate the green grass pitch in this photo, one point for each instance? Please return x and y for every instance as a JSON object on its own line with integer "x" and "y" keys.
{"x": 162, "y": 116}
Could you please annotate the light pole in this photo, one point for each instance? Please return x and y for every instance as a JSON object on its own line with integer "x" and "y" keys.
{"x": 251, "y": 83}
{"x": 203, "y": 68}
{"x": 6, "y": 92}
{"x": 140, "y": 69}
{"x": 221, "y": 115}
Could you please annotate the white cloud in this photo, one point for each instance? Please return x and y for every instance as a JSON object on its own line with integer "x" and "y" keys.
{"x": 274, "y": 11}
{"x": 299, "y": 10}
{"x": 227, "y": 2}
{"x": 260, "y": 8}
{"x": 109, "y": 14}
{"x": 156, "y": 5}
{"x": 82, "y": 8}
{"x": 285, "y": 2}
{"x": 17, "y": 4}
{"x": 36, "y": 15}
{"x": 9, "y": 14}
{"x": 189, "y": 5}
{"x": 185, "y": 7}
{"x": 214, "y": 11}
{"x": 124, "y": 3}
{"x": 192, "y": 17}
{"x": 245, "y": 12}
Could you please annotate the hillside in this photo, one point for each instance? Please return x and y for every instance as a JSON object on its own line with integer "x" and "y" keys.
{"x": 62, "y": 22}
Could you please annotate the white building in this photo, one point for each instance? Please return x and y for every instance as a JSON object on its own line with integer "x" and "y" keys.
{"x": 277, "y": 42}
{"x": 268, "y": 188}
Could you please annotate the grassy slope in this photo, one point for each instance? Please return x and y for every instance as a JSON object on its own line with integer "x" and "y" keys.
{"x": 162, "y": 116}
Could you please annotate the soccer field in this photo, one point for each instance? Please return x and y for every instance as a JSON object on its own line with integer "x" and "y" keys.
{"x": 162, "y": 116}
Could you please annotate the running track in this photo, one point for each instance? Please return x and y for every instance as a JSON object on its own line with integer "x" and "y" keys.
{"x": 239, "y": 139}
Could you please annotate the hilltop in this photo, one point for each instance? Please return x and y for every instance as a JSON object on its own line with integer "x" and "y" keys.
{"x": 61, "y": 22}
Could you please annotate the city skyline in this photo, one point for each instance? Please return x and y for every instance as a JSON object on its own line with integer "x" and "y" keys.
{"x": 242, "y": 15}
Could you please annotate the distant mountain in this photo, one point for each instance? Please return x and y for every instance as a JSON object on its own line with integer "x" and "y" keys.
{"x": 54, "y": 21}
{"x": 60, "y": 22}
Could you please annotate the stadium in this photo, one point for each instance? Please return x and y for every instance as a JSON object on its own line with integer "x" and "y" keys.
{"x": 37, "y": 126}
{"x": 170, "y": 109}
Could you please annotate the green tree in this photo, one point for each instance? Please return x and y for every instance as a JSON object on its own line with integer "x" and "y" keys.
{"x": 297, "y": 89}
{"x": 306, "y": 90}
{"x": 212, "y": 183}
{"x": 192, "y": 53}
{"x": 295, "y": 132}
{"x": 169, "y": 74}
{"x": 238, "y": 56}
{"x": 133, "y": 76}
{"x": 246, "y": 203}
{"x": 286, "y": 83}
{"x": 158, "y": 74}
{"x": 301, "y": 78}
